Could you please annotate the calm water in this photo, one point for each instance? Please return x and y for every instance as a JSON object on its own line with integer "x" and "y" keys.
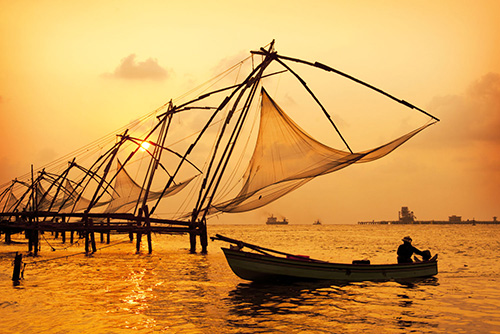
{"x": 172, "y": 291}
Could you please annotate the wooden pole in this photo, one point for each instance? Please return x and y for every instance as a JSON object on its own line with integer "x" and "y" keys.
{"x": 18, "y": 260}
{"x": 138, "y": 242}
{"x": 226, "y": 153}
{"x": 35, "y": 239}
{"x": 148, "y": 228}
{"x": 92, "y": 235}
{"x": 139, "y": 234}
{"x": 150, "y": 243}
{"x": 63, "y": 233}
{"x": 192, "y": 238}
{"x": 108, "y": 236}
{"x": 317, "y": 101}
{"x": 7, "y": 237}
{"x": 34, "y": 235}
{"x": 330, "y": 69}
{"x": 203, "y": 237}
{"x": 34, "y": 220}
{"x": 86, "y": 233}
{"x": 29, "y": 234}
{"x": 201, "y": 133}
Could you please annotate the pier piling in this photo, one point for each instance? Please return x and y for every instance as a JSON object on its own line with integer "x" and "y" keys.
{"x": 16, "y": 274}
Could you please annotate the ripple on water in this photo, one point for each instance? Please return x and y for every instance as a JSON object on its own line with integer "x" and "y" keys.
{"x": 117, "y": 291}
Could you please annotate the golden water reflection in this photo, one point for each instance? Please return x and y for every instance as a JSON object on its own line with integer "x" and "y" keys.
{"x": 173, "y": 291}
{"x": 353, "y": 307}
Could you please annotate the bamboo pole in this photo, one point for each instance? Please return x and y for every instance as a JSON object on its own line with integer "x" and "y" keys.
{"x": 330, "y": 69}
{"x": 317, "y": 101}
{"x": 207, "y": 125}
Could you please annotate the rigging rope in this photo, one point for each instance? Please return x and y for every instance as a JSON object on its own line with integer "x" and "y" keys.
{"x": 79, "y": 253}
{"x": 92, "y": 148}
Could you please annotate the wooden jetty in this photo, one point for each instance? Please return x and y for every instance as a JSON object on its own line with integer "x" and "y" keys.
{"x": 32, "y": 224}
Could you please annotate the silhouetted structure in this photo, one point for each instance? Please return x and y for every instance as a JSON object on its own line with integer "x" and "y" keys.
{"x": 95, "y": 192}
{"x": 407, "y": 217}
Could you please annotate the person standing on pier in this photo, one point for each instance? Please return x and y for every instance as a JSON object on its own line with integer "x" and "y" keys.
{"x": 406, "y": 250}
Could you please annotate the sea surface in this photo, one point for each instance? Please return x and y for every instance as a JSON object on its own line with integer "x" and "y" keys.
{"x": 172, "y": 291}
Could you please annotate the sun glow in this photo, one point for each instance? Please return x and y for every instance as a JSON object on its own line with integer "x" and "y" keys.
{"x": 144, "y": 146}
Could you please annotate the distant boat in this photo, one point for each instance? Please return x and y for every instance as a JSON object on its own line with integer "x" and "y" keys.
{"x": 274, "y": 221}
{"x": 317, "y": 222}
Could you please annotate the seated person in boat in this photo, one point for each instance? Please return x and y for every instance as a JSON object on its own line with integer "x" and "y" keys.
{"x": 406, "y": 250}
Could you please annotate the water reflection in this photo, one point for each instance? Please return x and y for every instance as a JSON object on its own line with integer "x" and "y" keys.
{"x": 417, "y": 282}
{"x": 279, "y": 298}
{"x": 182, "y": 296}
{"x": 354, "y": 307}
{"x": 306, "y": 305}
{"x": 251, "y": 298}
{"x": 177, "y": 292}
{"x": 413, "y": 315}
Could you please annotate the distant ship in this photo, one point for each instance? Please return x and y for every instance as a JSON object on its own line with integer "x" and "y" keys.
{"x": 317, "y": 222}
{"x": 274, "y": 221}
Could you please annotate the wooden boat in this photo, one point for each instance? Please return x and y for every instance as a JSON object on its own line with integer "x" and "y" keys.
{"x": 263, "y": 266}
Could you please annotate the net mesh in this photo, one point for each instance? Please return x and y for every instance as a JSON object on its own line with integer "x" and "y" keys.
{"x": 8, "y": 204}
{"x": 286, "y": 157}
{"x": 127, "y": 193}
{"x": 71, "y": 196}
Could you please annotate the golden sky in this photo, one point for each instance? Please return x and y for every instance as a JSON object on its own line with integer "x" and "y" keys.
{"x": 72, "y": 71}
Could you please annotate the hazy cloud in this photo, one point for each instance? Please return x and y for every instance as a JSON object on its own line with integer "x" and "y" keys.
{"x": 230, "y": 61}
{"x": 466, "y": 142}
{"x": 471, "y": 117}
{"x": 488, "y": 87}
{"x": 131, "y": 69}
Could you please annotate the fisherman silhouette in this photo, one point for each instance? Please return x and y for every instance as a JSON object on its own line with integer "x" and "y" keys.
{"x": 406, "y": 250}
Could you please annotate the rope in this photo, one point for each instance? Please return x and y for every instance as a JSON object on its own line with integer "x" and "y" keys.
{"x": 66, "y": 256}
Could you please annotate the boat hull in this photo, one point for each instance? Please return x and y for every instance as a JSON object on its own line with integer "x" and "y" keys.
{"x": 258, "y": 267}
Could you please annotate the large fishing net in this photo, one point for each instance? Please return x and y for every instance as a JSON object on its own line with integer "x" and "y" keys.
{"x": 127, "y": 193}
{"x": 286, "y": 157}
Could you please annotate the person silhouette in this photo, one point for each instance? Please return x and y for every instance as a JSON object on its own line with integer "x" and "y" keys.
{"x": 406, "y": 250}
